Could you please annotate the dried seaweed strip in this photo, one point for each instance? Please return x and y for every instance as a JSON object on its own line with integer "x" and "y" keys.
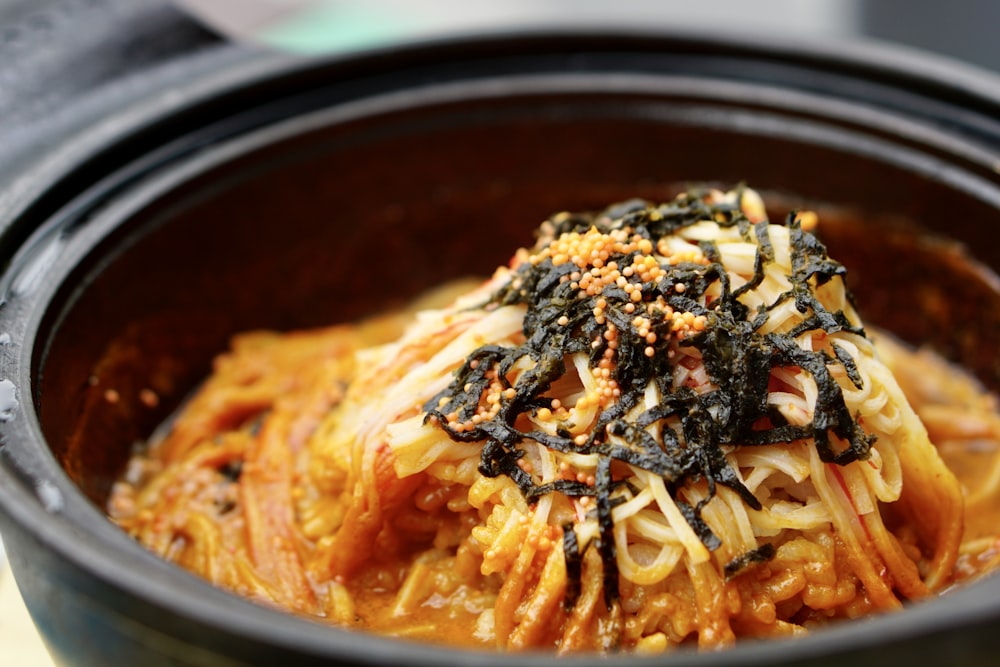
{"x": 777, "y": 434}
{"x": 763, "y": 255}
{"x": 847, "y": 361}
{"x": 738, "y": 565}
{"x": 566, "y": 487}
{"x": 574, "y": 566}
{"x": 719, "y": 470}
{"x": 640, "y": 449}
{"x": 698, "y": 525}
{"x": 606, "y": 544}
{"x": 823, "y": 320}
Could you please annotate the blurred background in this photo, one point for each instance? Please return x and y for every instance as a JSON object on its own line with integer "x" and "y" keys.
{"x": 963, "y": 29}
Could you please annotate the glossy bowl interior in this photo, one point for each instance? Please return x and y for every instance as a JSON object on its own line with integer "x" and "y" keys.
{"x": 348, "y": 189}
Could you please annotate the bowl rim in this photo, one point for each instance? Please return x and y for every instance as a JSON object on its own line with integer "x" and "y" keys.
{"x": 232, "y": 68}
{"x": 27, "y": 510}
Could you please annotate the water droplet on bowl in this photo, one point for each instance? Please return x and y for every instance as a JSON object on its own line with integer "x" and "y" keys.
{"x": 8, "y": 400}
{"x": 50, "y": 496}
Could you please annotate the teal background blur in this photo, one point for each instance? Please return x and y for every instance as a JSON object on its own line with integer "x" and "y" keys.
{"x": 963, "y": 29}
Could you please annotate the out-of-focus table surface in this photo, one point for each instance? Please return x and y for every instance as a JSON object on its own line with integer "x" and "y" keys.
{"x": 20, "y": 644}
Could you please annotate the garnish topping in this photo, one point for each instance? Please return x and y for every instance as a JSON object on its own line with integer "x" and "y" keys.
{"x": 646, "y": 307}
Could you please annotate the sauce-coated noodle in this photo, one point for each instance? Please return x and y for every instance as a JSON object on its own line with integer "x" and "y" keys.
{"x": 661, "y": 425}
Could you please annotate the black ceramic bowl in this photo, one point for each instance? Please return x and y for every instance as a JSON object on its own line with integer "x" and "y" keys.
{"x": 258, "y": 193}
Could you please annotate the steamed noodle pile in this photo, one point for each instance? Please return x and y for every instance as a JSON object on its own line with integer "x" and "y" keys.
{"x": 660, "y": 425}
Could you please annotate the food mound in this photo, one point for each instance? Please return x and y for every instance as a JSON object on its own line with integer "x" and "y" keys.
{"x": 661, "y": 425}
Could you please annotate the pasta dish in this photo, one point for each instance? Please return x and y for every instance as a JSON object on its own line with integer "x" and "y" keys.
{"x": 661, "y": 425}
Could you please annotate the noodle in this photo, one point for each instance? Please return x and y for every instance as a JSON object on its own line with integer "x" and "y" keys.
{"x": 662, "y": 425}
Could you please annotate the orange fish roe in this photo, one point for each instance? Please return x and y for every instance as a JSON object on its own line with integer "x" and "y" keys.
{"x": 599, "y": 274}
{"x": 592, "y": 253}
{"x": 488, "y": 408}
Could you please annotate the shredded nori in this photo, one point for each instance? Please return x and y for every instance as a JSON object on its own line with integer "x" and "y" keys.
{"x": 696, "y": 429}
{"x": 606, "y": 542}
{"x": 574, "y": 565}
{"x": 761, "y": 554}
